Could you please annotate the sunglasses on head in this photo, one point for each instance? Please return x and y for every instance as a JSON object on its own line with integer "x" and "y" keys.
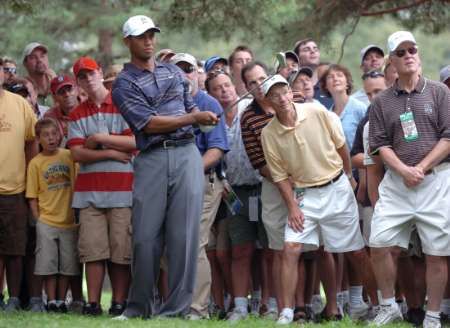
{"x": 188, "y": 69}
{"x": 401, "y": 52}
{"x": 11, "y": 70}
{"x": 372, "y": 75}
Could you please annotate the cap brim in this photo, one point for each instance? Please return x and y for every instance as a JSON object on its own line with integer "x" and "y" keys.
{"x": 63, "y": 85}
{"x": 143, "y": 30}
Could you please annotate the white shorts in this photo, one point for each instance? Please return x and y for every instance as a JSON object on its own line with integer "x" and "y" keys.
{"x": 365, "y": 217}
{"x": 331, "y": 218}
{"x": 427, "y": 206}
{"x": 274, "y": 214}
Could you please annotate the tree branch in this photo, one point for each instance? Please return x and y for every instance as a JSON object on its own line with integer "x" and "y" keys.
{"x": 395, "y": 9}
{"x": 355, "y": 23}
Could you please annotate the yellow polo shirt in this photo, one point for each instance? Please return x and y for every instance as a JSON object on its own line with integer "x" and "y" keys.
{"x": 306, "y": 152}
{"x": 17, "y": 121}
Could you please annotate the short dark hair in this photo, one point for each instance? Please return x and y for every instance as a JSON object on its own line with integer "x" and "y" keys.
{"x": 1, "y": 61}
{"x": 211, "y": 75}
{"x": 250, "y": 66}
{"x": 300, "y": 43}
{"x": 339, "y": 68}
{"x": 236, "y": 50}
{"x": 45, "y": 123}
{"x": 6, "y": 60}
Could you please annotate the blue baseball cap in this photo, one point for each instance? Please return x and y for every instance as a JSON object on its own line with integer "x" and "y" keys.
{"x": 211, "y": 61}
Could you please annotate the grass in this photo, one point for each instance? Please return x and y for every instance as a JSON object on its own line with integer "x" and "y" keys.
{"x": 43, "y": 320}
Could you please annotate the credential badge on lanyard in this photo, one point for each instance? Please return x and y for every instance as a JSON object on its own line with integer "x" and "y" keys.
{"x": 409, "y": 126}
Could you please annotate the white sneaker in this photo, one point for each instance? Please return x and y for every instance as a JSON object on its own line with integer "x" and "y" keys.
{"x": 387, "y": 314}
{"x": 270, "y": 314}
{"x": 359, "y": 311}
{"x": 283, "y": 319}
{"x": 373, "y": 312}
{"x": 237, "y": 315}
{"x": 120, "y": 318}
{"x": 429, "y": 322}
{"x": 316, "y": 304}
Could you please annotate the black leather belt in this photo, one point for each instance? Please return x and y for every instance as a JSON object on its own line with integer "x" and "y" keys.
{"x": 336, "y": 178}
{"x": 172, "y": 143}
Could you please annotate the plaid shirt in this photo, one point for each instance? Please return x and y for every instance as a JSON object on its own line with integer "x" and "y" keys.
{"x": 141, "y": 94}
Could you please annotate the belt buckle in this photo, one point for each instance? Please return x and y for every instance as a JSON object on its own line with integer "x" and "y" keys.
{"x": 168, "y": 144}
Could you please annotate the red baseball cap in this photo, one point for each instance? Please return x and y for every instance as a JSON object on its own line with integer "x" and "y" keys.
{"x": 86, "y": 63}
{"x": 60, "y": 81}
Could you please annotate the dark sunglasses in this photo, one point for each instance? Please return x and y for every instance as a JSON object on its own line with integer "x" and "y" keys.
{"x": 11, "y": 70}
{"x": 401, "y": 52}
{"x": 372, "y": 75}
{"x": 188, "y": 69}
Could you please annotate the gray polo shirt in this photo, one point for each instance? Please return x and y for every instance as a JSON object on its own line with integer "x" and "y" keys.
{"x": 429, "y": 103}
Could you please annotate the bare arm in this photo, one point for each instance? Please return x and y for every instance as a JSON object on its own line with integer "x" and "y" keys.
{"x": 358, "y": 161}
{"x": 86, "y": 155}
{"x": 211, "y": 157}
{"x": 265, "y": 172}
{"x": 34, "y": 206}
{"x": 436, "y": 155}
{"x": 295, "y": 216}
{"x": 164, "y": 124}
{"x": 375, "y": 174}
{"x": 120, "y": 143}
{"x": 345, "y": 155}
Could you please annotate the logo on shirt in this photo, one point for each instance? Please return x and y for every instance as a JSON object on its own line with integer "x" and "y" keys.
{"x": 57, "y": 176}
{"x": 4, "y": 125}
{"x": 428, "y": 109}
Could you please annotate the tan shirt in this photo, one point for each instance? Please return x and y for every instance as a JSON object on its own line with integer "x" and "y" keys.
{"x": 306, "y": 152}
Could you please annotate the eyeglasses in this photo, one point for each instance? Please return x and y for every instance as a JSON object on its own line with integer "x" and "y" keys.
{"x": 372, "y": 75}
{"x": 401, "y": 52}
{"x": 10, "y": 70}
{"x": 215, "y": 72}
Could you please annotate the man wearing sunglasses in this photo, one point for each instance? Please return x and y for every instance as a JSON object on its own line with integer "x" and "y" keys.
{"x": 10, "y": 70}
{"x": 155, "y": 100}
{"x": 212, "y": 145}
{"x": 372, "y": 59}
{"x": 410, "y": 130}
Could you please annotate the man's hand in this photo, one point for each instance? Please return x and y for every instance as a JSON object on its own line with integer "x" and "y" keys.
{"x": 119, "y": 156}
{"x": 226, "y": 189}
{"x": 205, "y": 118}
{"x": 94, "y": 140}
{"x": 296, "y": 219}
{"x": 412, "y": 176}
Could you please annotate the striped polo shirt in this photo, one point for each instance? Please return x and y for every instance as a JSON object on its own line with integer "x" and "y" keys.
{"x": 429, "y": 104}
{"x": 107, "y": 183}
{"x": 253, "y": 120}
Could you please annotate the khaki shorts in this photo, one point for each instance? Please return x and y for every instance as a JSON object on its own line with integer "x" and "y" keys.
{"x": 274, "y": 215}
{"x": 105, "y": 234}
{"x": 426, "y": 206}
{"x": 13, "y": 224}
{"x": 331, "y": 217}
{"x": 56, "y": 251}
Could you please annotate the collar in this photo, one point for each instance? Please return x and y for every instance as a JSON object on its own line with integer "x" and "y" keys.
{"x": 301, "y": 116}
{"x": 106, "y": 101}
{"x": 130, "y": 67}
{"x": 419, "y": 88}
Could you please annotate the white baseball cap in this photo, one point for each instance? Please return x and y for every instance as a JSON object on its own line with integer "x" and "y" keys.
{"x": 184, "y": 57}
{"x": 444, "y": 74}
{"x": 365, "y": 50}
{"x": 30, "y": 48}
{"x": 395, "y": 39}
{"x": 275, "y": 79}
{"x": 137, "y": 25}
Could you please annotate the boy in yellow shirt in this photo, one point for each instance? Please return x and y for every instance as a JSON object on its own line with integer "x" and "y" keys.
{"x": 50, "y": 179}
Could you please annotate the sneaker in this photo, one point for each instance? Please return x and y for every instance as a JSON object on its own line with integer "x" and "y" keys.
{"x": 92, "y": 309}
{"x": 317, "y": 304}
{"x": 270, "y": 314}
{"x": 121, "y": 317}
{"x": 283, "y": 319}
{"x": 373, "y": 312}
{"x": 322, "y": 316}
{"x": 77, "y": 307}
{"x": 116, "y": 308}
{"x": 415, "y": 316}
{"x": 387, "y": 314}
{"x": 193, "y": 317}
{"x": 445, "y": 318}
{"x": 52, "y": 307}
{"x": 36, "y": 305}
{"x": 359, "y": 311}
{"x": 430, "y": 322}
{"x": 237, "y": 315}
{"x": 62, "y": 308}
{"x": 13, "y": 305}
{"x": 216, "y": 312}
